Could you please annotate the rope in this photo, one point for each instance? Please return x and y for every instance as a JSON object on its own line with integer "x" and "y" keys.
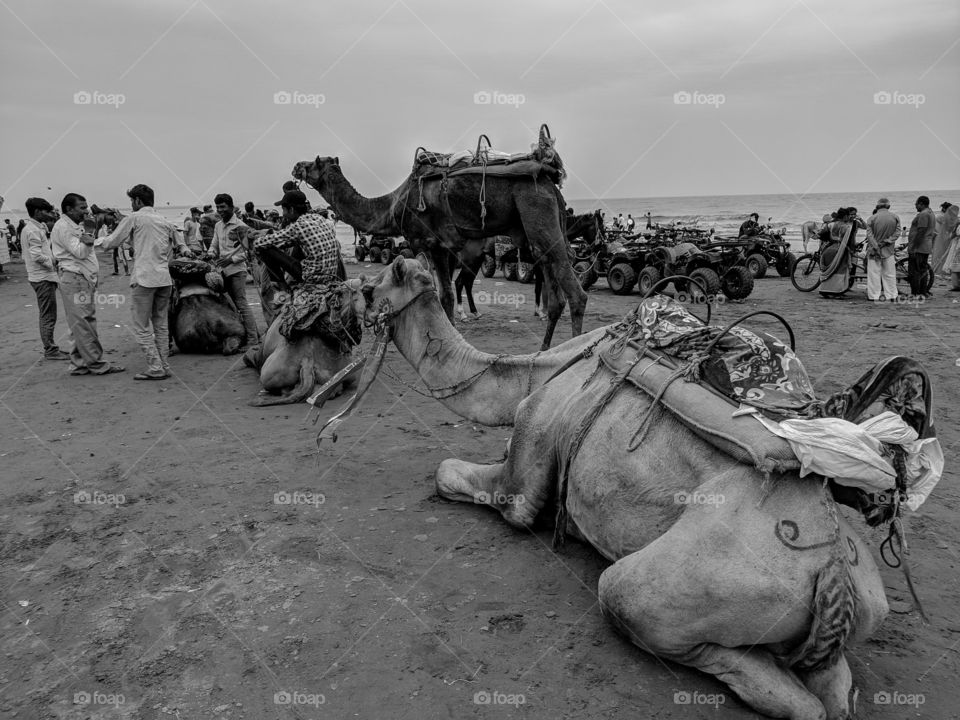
{"x": 421, "y": 206}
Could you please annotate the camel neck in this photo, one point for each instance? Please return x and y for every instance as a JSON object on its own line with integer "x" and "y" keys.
{"x": 478, "y": 386}
{"x": 369, "y": 215}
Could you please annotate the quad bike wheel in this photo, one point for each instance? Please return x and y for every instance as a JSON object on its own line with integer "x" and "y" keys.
{"x": 647, "y": 278}
{"x": 386, "y": 256}
{"x": 737, "y": 282}
{"x": 621, "y": 278}
{"x": 374, "y": 254}
{"x": 489, "y": 267}
{"x": 785, "y": 264}
{"x": 509, "y": 271}
{"x": 525, "y": 272}
{"x": 708, "y": 287}
{"x": 757, "y": 265}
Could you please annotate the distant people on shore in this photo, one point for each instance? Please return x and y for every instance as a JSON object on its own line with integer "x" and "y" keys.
{"x": 923, "y": 230}
{"x": 649, "y": 220}
{"x": 208, "y": 221}
{"x": 630, "y": 223}
{"x": 191, "y": 232}
{"x": 838, "y": 241}
{"x": 883, "y": 231}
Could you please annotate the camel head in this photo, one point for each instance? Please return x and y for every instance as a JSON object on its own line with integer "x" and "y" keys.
{"x": 313, "y": 172}
{"x": 395, "y": 288}
{"x": 348, "y": 303}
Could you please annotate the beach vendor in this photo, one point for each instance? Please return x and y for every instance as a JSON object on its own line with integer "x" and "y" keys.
{"x": 313, "y": 279}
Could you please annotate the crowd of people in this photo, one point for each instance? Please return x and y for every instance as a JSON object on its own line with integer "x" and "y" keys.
{"x": 297, "y": 247}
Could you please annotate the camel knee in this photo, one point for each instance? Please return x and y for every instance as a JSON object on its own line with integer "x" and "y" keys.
{"x": 832, "y": 687}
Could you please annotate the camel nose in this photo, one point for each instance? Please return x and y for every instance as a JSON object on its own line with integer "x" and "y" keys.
{"x": 367, "y": 292}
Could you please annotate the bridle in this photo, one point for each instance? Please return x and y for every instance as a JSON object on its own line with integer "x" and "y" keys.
{"x": 386, "y": 317}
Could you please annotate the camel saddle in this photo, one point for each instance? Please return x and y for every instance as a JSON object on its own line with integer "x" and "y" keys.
{"x": 714, "y": 379}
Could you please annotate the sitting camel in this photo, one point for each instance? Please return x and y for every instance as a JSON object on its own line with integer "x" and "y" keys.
{"x": 762, "y": 590}
{"x": 290, "y": 369}
{"x": 203, "y": 318}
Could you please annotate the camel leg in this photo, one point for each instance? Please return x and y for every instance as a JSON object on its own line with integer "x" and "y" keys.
{"x": 554, "y": 302}
{"x": 520, "y": 486}
{"x": 832, "y": 685}
{"x": 458, "y": 286}
{"x": 636, "y": 594}
{"x": 441, "y": 265}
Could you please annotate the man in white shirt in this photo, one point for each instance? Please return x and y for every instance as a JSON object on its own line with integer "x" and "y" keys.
{"x": 42, "y": 272}
{"x": 152, "y": 237}
{"x": 79, "y": 272}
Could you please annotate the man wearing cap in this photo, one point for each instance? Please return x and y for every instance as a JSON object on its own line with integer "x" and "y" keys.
{"x": 42, "y": 273}
{"x": 208, "y": 221}
{"x": 883, "y": 231}
{"x": 923, "y": 229}
{"x": 315, "y": 237}
{"x": 228, "y": 247}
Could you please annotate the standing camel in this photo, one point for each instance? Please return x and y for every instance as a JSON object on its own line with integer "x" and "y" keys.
{"x": 529, "y": 210}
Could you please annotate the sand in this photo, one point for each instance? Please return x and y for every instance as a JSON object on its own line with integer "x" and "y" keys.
{"x": 183, "y": 589}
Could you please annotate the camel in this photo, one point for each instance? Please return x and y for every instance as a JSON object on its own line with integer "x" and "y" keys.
{"x": 203, "y": 319}
{"x": 290, "y": 370}
{"x": 529, "y": 211}
{"x": 762, "y": 587}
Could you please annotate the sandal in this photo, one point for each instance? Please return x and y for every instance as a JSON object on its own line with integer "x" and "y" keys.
{"x": 113, "y": 369}
{"x": 80, "y": 371}
{"x": 150, "y": 376}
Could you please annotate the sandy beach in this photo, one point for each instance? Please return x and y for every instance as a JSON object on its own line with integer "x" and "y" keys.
{"x": 179, "y": 583}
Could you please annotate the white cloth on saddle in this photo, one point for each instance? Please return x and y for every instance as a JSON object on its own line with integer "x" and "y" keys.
{"x": 852, "y": 453}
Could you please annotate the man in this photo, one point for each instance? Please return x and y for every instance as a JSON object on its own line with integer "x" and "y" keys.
{"x": 11, "y": 233}
{"x": 152, "y": 237}
{"x": 649, "y": 221}
{"x": 923, "y": 229}
{"x": 191, "y": 232}
{"x": 883, "y": 231}
{"x": 79, "y": 271}
{"x": 208, "y": 221}
{"x": 751, "y": 226}
{"x": 630, "y": 223}
{"x": 227, "y": 246}
{"x": 309, "y": 232}
{"x": 42, "y": 273}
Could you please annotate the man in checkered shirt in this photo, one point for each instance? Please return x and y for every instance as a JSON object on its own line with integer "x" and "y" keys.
{"x": 313, "y": 234}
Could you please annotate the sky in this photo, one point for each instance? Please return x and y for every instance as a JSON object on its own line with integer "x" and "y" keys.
{"x": 645, "y": 99}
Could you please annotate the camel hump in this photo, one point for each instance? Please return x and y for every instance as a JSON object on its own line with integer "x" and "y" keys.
{"x": 834, "y": 616}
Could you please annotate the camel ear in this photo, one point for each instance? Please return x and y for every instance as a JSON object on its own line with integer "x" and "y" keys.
{"x": 317, "y": 161}
{"x": 399, "y": 269}
{"x": 336, "y": 161}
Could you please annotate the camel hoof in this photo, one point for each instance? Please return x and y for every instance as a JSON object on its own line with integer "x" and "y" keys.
{"x": 476, "y": 316}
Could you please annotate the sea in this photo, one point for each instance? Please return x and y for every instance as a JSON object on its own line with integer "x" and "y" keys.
{"x": 723, "y": 213}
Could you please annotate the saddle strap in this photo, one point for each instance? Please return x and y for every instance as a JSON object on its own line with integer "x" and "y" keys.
{"x": 586, "y": 423}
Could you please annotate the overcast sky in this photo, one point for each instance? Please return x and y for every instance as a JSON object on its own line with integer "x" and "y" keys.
{"x": 781, "y": 94}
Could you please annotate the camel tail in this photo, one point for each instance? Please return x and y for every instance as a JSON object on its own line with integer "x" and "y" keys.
{"x": 834, "y": 616}
{"x": 298, "y": 393}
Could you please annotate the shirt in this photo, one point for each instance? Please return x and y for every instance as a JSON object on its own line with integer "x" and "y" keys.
{"x": 37, "y": 253}
{"x": 313, "y": 234}
{"x": 71, "y": 254}
{"x": 884, "y": 228}
{"x": 227, "y": 245}
{"x": 922, "y": 231}
{"x": 191, "y": 235}
{"x": 152, "y": 237}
